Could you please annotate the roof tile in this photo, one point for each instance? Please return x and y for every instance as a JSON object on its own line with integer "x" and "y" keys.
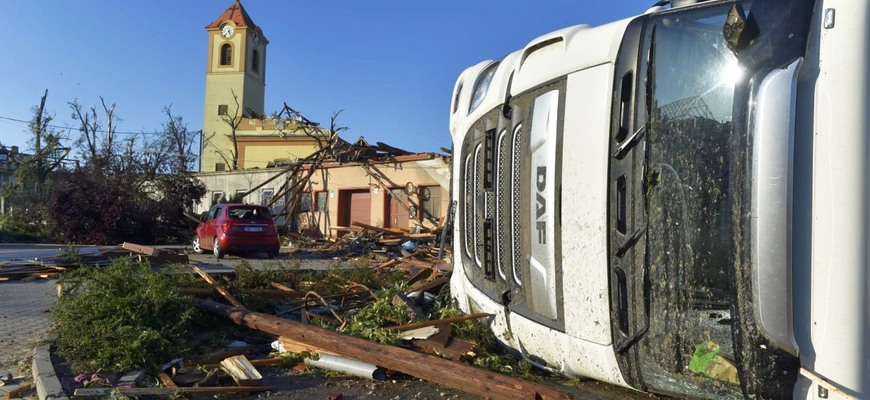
{"x": 235, "y": 13}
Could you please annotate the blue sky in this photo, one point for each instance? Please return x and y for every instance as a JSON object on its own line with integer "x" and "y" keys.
{"x": 390, "y": 65}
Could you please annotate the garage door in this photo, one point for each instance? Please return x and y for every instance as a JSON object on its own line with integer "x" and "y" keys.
{"x": 357, "y": 207}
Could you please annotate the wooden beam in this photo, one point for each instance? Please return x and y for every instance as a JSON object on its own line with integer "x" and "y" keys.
{"x": 166, "y": 380}
{"x": 386, "y": 231}
{"x": 158, "y": 391}
{"x": 436, "y": 322}
{"x": 463, "y": 377}
{"x": 17, "y": 391}
{"x": 138, "y": 248}
{"x": 205, "y": 276}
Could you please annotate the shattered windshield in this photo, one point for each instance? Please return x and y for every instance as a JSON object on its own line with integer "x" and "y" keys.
{"x": 690, "y": 81}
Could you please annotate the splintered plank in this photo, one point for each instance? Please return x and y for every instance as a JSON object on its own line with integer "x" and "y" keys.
{"x": 206, "y": 277}
{"x": 241, "y": 370}
{"x": 166, "y": 380}
{"x": 437, "y": 322}
{"x": 386, "y": 231}
{"x": 138, "y": 248}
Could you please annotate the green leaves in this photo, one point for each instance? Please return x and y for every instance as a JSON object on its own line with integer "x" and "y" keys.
{"x": 120, "y": 317}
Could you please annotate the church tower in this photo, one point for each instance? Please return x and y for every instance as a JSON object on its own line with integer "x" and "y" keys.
{"x": 235, "y": 82}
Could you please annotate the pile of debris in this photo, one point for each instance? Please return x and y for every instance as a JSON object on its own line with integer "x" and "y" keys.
{"x": 72, "y": 258}
{"x": 301, "y": 327}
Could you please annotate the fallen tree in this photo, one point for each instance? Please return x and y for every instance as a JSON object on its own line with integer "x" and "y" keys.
{"x": 432, "y": 368}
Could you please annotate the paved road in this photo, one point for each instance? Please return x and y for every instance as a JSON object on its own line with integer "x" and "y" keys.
{"x": 24, "y": 321}
{"x": 24, "y": 317}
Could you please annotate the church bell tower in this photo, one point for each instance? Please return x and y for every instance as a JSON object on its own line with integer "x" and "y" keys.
{"x": 235, "y": 81}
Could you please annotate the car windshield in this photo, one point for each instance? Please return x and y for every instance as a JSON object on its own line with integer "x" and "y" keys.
{"x": 689, "y": 217}
{"x": 248, "y": 213}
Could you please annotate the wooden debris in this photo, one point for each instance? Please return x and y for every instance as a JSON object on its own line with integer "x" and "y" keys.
{"x": 138, "y": 248}
{"x": 218, "y": 355}
{"x": 225, "y": 293}
{"x": 166, "y": 380}
{"x": 24, "y": 388}
{"x": 433, "y": 286}
{"x": 387, "y": 231}
{"x": 210, "y": 379}
{"x": 473, "y": 380}
{"x": 438, "y": 322}
{"x": 444, "y": 344}
{"x": 280, "y": 287}
{"x": 158, "y": 391}
{"x": 419, "y": 333}
{"x": 293, "y": 346}
{"x": 242, "y": 371}
{"x": 412, "y": 310}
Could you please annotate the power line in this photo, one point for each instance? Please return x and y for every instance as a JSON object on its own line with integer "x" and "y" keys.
{"x": 66, "y": 127}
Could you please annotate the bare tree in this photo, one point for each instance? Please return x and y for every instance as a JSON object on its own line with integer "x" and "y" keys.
{"x": 34, "y": 172}
{"x": 97, "y": 145}
{"x": 180, "y": 141}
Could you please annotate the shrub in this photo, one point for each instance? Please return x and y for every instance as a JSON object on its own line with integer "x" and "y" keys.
{"x": 120, "y": 317}
{"x": 23, "y": 225}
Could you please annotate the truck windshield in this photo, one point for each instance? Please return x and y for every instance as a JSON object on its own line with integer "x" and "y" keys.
{"x": 690, "y": 76}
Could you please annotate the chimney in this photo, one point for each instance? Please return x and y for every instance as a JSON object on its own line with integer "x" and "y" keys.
{"x": 14, "y": 150}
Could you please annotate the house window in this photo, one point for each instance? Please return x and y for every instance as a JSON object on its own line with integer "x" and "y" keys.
{"x": 322, "y": 201}
{"x": 304, "y": 203}
{"x": 220, "y": 167}
{"x": 226, "y": 54}
{"x": 238, "y": 198}
{"x": 430, "y": 202}
{"x": 255, "y": 61}
{"x": 216, "y": 197}
{"x": 266, "y": 196}
{"x": 223, "y": 109}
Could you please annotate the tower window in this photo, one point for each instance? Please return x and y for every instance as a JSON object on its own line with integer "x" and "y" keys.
{"x": 226, "y": 54}
{"x": 255, "y": 61}
{"x": 222, "y": 109}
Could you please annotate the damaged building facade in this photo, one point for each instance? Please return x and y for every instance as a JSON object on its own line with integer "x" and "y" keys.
{"x": 313, "y": 181}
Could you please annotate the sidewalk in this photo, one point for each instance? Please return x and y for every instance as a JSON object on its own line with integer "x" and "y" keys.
{"x": 24, "y": 321}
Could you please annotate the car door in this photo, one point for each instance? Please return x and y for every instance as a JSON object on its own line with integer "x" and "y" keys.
{"x": 209, "y": 226}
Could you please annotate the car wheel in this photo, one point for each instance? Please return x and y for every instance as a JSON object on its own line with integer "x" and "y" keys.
{"x": 196, "y": 247}
{"x": 218, "y": 251}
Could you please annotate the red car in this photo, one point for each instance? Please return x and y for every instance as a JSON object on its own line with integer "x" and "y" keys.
{"x": 237, "y": 228}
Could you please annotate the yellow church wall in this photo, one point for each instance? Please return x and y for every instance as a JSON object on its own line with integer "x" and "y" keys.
{"x": 257, "y": 155}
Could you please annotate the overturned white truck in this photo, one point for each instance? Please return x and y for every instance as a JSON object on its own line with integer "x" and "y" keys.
{"x": 677, "y": 202}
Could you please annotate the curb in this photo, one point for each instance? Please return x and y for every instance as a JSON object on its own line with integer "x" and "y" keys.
{"x": 44, "y": 378}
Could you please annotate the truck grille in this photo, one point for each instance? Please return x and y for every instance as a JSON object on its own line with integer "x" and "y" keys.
{"x": 515, "y": 204}
{"x": 491, "y": 207}
{"x": 500, "y": 214}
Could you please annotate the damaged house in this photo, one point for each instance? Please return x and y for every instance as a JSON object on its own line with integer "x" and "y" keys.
{"x": 325, "y": 194}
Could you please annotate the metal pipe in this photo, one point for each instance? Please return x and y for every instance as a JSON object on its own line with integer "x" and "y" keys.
{"x": 347, "y": 366}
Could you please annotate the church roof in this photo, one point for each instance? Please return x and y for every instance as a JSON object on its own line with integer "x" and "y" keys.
{"x": 235, "y": 13}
